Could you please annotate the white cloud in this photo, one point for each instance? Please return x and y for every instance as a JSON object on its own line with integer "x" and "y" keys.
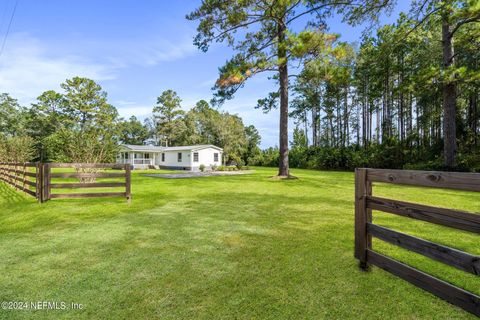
{"x": 144, "y": 52}
{"x": 29, "y": 66}
{"x": 124, "y": 103}
{"x": 208, "y": 83}
{"x": 165, "y": 51}
{"x": 139, "y": 111}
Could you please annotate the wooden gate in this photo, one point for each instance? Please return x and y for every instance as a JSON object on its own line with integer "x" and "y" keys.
{"x": 365, "y": 229}
{"x": 86, "y": 175}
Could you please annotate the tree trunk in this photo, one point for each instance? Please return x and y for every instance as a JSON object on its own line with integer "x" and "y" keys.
{"x": 338, "y": 138}
{"x": 475, "y": 117}
{"x": 319, "y": 128}
{"x": 369, "y": 119}
{"x": 402, "y": 101}
{"x": 364, "y": 115}
{"x": 410, "y": 116}
{"x": 283, "y": 168}
{"x": 332, "y": 132}
{"x": 305, "y": 124}
{"x": 314, "y": 127}
{"x": 377, "y": 129}
{"x": 346, "y": 128}
{"x": 472, "y": 114}
{"x": 449, "y": 99}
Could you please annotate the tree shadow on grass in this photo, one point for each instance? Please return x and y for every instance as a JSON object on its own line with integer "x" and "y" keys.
{"x": 9, "y": 195}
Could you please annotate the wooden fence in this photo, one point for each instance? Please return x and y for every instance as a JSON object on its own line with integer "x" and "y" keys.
{"x": 365, "y": 202}
{"x": 47, "y": 181}
{"x": 22, "y": 176}
{"x": 86, "y": 172}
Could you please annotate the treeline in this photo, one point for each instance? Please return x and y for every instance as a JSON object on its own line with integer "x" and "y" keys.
{"x": 381, "y": 104}
{"x": 79, "y": 125}
{"x": 411, "y": 89}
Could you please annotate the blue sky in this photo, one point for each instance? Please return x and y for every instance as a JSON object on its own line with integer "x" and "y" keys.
{"x": 134, "y": 49}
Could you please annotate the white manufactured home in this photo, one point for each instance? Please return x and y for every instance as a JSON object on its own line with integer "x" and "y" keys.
{"x": 183, "y": 158}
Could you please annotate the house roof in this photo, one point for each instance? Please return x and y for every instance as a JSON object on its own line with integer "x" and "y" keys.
{"x": 141, "y": 148}
{"x": 133, "y": 147}
{"x": 193, "y": 148}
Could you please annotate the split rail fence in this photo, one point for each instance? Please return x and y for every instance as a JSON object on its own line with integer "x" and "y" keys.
{"x": 43, "y": 181}
{"x": 365, "y": 202}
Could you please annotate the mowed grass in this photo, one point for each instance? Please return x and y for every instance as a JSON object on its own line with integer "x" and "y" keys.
{"x": 231, "y": 247}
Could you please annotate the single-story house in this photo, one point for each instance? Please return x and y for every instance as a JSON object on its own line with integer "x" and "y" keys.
{"x": 183, "y": 158}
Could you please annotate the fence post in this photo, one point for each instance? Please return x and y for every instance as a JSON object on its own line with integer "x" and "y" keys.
{"x": 362, "y": 216}
{"x": 46, "y": 182}
{"x": 39, "y": 183}
{"x": 7, "y": 174}
{"x": 17, "y": 176}
{"x": 24, "y": 176}
{"x": 49, "y": 181}
{"x": 128, "y": 183}
{"x": 14, "y": 175}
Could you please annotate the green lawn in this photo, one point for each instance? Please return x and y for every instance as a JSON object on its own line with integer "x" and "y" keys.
{"x": 220, "y": 248}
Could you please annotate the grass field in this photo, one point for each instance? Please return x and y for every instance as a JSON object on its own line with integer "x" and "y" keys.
{"x": 233, "y": 247}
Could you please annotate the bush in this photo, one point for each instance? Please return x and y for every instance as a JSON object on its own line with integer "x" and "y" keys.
{"x": 221, "y": 168}
{"x": 434, "y": 165}
{"x": 268, "y": 158}
{"x": 202, "y": 167}
{"x": 214, "y": 167}
{"x": 469, "y": 162}
{"x": 17, "y": 149}
{"x": 391, "y": 154}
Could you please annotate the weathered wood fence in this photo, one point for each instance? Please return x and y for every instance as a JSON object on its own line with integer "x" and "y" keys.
{"x": 365, "y": 202}
{"x": 47, "y": 181}
{"x": 87, "y": 174}
{"x": 22, "y": 176}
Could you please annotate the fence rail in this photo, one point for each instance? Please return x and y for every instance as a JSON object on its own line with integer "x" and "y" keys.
{"x": 365, "y": 230}
{"x": 18, "y": 174}
{"x": 87, "y": 180}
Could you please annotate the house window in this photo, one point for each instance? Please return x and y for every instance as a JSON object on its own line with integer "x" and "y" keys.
{"x": 125, "y": 155}
{"x": 195, "y": 157}
{"x": 215, "y": 157}
{"x": 179, "y": 157}
{"x": 163, "y": 157}
{"x": 147, "y": 156}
